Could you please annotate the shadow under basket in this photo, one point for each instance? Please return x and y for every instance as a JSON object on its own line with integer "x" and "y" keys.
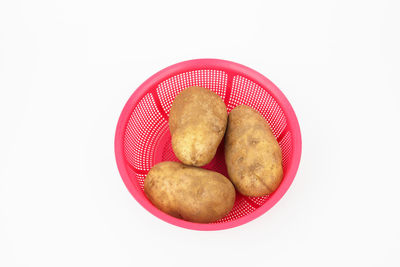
{"x": 143, "y": 139}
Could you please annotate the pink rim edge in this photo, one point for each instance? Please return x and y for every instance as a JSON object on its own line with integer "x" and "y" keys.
{"x": 212, "y": 64}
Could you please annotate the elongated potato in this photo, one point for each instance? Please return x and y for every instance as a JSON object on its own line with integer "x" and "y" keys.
{"x": 189, "y": 193}
{"x": 197, "y": 123}
{"x": 252, "y": 154}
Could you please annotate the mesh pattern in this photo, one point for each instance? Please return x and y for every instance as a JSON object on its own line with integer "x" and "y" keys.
{"x": 215, "y": 80}
{"x": 142, "y": 133}
{"x": 251, "y": 94}
{"x": 138, "y": 177}
{"x": 168, "y": 153}
{"x": 258, "y": 200}
{"x": 241, "y": 207}
{"x": 286, "y": 149}
{"x": 147, "y": 139}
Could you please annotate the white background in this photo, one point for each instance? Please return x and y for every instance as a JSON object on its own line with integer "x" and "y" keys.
{"x": 68, "y": 67}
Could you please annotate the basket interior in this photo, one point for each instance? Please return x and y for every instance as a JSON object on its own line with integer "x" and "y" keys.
{"x": 147, "y": 140}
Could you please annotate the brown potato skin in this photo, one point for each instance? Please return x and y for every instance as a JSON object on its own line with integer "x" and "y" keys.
{"x": 189, "y": 193}
{"x": 252, "y": 154}
{"x": 197, "y": 122}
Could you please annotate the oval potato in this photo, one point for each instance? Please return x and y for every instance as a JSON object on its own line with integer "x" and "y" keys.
{"x": 197, "y": 123}
{"x": 189, "y": 193}
{"x": 252, "y": 154}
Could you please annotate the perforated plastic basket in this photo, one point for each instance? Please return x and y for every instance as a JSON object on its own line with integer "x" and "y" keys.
{"x": 142, "y": 137}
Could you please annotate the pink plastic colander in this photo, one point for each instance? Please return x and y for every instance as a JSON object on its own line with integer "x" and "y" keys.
{"x": 143, "y": 139}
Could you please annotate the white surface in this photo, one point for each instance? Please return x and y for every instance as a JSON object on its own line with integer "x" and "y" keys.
{"x": 68, "y": 67}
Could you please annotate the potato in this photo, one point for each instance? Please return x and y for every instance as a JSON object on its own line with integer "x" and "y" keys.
{"x": 252, "y": 154}
{"x": 189, "y": 193}
{"x": 197, "y": 123}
